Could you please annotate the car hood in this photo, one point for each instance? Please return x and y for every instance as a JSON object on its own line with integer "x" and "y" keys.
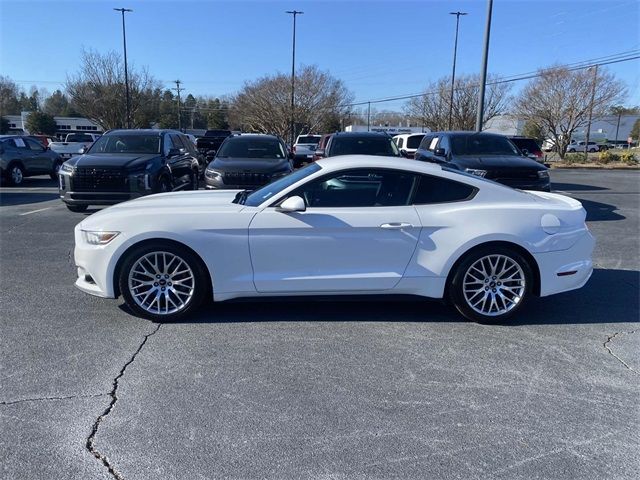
{"x": 496, "y": 161}
{"x": 252, "y": 165}
{"x": 113, "y": 160}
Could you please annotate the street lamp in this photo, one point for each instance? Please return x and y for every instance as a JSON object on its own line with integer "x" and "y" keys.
{"x": 483, "y": 74}
{"x": 293, "y": 74}
{"x": 126, "y": 73}
{"x": 453, "y": 74}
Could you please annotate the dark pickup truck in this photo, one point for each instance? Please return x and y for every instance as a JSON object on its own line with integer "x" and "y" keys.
{"x": 212, "y": 140}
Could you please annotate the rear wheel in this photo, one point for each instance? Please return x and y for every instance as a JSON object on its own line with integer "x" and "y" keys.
{"x": 163, "y": 282}
{"x": 77, "y": 208}
{"x": 491, "y": 284}
{"x": 15, "y": 174}
{"x": 164, "y": 185}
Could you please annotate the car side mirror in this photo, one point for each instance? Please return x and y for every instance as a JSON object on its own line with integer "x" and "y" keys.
{"x": 439, "y": 152}
{"x": 173, "y": 152}
{"x": 292, "y": 204}
{"x": 319, "y": 152}
{"x": 525, "y": 152}
{"x": 82, "y": 151}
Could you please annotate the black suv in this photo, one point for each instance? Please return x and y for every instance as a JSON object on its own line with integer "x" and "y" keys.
{"x": 487, "y": 155}
{"x": 248, "y": 161}
{"x": 359, "y": 143}
{"x": 126, "y": 164}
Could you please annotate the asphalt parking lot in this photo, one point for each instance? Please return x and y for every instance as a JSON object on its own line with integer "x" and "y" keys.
{"x": 372, "y": 388}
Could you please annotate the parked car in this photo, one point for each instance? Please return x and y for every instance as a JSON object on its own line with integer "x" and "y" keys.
{"x": 359, "y": 143}
{"x": 304, "y": 149}
{"x": 408, "y": 143}
{"x": 580, "y": 147}
{"x": 529, "y": 147}
{"x": 126, "y": 164}
{"x": 322, "y": 145}
{"x": 486, "y": 155}
{"x": 349, "y": 225}
{"x": 248, "y": 161}
{"x": 211, "y": 141}
{"x": 23, "y": 156}
{"x": 74, "y": 144}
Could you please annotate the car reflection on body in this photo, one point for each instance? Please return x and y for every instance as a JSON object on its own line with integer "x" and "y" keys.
{"x": 346, "y": 225}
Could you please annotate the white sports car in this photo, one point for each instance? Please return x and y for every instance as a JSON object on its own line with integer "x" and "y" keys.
{"x": 346, "y": 226}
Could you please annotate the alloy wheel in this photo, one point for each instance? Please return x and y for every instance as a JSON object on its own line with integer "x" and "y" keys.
{"x": 161, "y": 283}
{"x": 16, "y": 175}
{"x": 494, "y": 285}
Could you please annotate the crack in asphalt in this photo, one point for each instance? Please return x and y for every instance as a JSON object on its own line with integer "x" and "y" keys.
{"x": 90, "y": 445}
{"x": 609, "y": 339}
{"x": 43, "y": 399}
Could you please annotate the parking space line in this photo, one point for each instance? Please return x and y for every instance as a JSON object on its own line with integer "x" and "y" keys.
{"x": 35, "y": 211}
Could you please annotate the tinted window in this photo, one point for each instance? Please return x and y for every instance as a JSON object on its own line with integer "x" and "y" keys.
{"x": 269, "y": 191}
{"x": 527, "y": 143}
{"x": 440, "y": 190}
{"x": 177, "y": 141}
{"x": 444, "y": 143}
{"x": 400, "y": 142}
{"x": 17, "y": 143}
{"x": 248, "y": 147}
{"x": 482, "y": 145}
{"x": 359, "y": 188}
{"x": 126, "y": 143}
{"x": 414, "y": 141}
{"x": 426, "y": 141}
{"x": 79, "y": 137}
{"x": 309, "y": 139}
{"x": 369, "y": 145}
{"x": 34, "y": 145}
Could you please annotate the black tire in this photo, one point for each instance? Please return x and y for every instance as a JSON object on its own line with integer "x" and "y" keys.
{"x": 487, "y": 285}
{"x": 195, "y": 180}
{"x": 56, "y": 169}
{"x": 77, "y": 208}
{"x": 15, "y": 175}
{"x": 572, "y": 150}
{"x": 164, "y": 185}
{"x": 200, "y": 285}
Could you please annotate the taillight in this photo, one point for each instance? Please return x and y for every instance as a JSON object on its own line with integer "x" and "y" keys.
{"x": 538, "y": 154}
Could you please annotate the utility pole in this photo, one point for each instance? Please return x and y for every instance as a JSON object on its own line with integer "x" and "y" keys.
{"x": 368, "y": 116}
{"x": 453, "y": 73}
{"x": 126, "y": 72}
{"x": 179, "y": 89}
{"x": 593, "y": 96}
{"x": 618, "y": 125}
{"x": 483, "y": 74}
{"x": 293, "y": 75}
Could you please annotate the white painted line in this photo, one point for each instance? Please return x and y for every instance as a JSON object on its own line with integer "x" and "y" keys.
{"x": 35, "y": 211}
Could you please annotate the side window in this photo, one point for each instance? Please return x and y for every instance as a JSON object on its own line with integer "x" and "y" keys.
{"x": 33, "y": 145}
{"x": 433, "y": 143}
{"x": 359, "y": 188}
{"x": 426, "y": 141}
{"x": 441, "y": 190}
{"x": 18, "y": 143}
{"x": 188, "y": 144}
{"x": 400, "y": 142}
{"x": 168, "y": 145}
{"x": 177, "y": 141}
{"x": 444, "y": 143}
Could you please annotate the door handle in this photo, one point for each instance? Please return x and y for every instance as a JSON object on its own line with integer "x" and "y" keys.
{"x": 395, "y": 225}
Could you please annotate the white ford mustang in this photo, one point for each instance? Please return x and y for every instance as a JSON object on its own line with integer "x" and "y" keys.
{"x": 345, "y": 226}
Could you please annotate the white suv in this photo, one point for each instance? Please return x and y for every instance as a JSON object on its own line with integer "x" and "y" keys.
{"x": 579, "y": 147}
{"x": 408, "y": 143}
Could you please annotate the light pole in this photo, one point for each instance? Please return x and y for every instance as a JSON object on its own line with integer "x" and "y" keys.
{"x": 593, "y": 96}
{"x": 483, "y": 74}
{"x": 293, "y": 74}
{"x": 453, "y": 73}
{"x": 126, "y": 72}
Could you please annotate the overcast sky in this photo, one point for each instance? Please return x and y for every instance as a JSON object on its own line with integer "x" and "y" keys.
{"x": 378, "y": 48}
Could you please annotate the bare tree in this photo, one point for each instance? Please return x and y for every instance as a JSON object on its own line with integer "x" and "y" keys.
{"x": 432, "y": 108}
{"x": 265, "y": 104}
{"x": 559, "y": 100}
{"x": 97, "y": 91}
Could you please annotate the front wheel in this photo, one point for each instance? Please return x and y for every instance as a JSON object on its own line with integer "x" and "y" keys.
{"x": 162, "y": 282}
{"x": 56, "y": 169}
{"x": 491, "y": 284}
{"x": 15, "y": 175}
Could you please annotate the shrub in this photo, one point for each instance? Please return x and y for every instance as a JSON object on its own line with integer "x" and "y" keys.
{"x": 575, "y": 158}
{"x": 606, "y": 156}
{"x": 629, "y": 158}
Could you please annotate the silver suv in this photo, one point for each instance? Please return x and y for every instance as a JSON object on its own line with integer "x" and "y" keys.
{"x": 22, "y": 157}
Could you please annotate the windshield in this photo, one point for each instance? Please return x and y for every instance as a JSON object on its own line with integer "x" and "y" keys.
{"x": 413, "y": 141}
{"x": 482, "y": 145}
{"x": 127, "y": 143}
{"x": 269, "y": 191}
{"x": 382, "y": 146}
{"x": 309, "y": 139}
{"x": 529, "y": 143}
{"x": 243, "y": 147}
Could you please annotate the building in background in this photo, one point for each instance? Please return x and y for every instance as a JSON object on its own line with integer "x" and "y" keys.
{"x": 391, "y": 130}
{"x": 64, "y": 125}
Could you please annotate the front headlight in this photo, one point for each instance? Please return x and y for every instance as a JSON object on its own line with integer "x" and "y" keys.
{"x": 66, "y": 168}
{"x": 473, "y": 171}
{"x": 213, "y": 174}
{"x": 543, "y": 174}
{"x": 98, "y": 238}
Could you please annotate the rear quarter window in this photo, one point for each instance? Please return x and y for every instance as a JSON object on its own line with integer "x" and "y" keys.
{"x": 441, "y": 190}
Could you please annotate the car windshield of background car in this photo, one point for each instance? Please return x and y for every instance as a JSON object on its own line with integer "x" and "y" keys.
{"x": 482, "y": 145}
{"x": 364, "y": 146}
{"x": 414, "y": 141}
{"x": 127, "y": 144}
{"x": 310, "y": 140}
{"x": 273, "y": 188}
{"x": 243, "y": 148}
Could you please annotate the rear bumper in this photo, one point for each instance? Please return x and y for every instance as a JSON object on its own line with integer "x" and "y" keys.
{"x": 566, "y": 270}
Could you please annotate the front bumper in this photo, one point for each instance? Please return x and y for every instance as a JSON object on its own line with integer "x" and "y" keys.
{"x": 94, "y": 266}
{"x": 72, "y": 197}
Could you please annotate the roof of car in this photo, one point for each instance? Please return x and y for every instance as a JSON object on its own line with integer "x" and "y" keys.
{"x": 361, "y": 134}
{"x": 141, "y": 131}
{"x": 376, "y": 161}
{"x": 466, "y": 133}
{"x": 254, "y": 135}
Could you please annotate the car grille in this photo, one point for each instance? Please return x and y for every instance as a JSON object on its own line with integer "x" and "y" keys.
{"x": 512, "y": 174}
{"x": 99, "y": 180}
{"x": 245, "y": 178}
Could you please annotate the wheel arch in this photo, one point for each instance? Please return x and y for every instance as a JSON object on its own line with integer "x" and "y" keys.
{"x": 498, "y": 243}
{"x": 157, "y": 240}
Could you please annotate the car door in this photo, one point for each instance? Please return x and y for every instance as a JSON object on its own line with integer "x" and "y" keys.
{"x": 38, "y": 159}
{"x": 180, "y": 164}
{"x": 358, "y": 233}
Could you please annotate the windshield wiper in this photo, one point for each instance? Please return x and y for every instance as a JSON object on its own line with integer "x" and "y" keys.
{"x": 241, "y": 197}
